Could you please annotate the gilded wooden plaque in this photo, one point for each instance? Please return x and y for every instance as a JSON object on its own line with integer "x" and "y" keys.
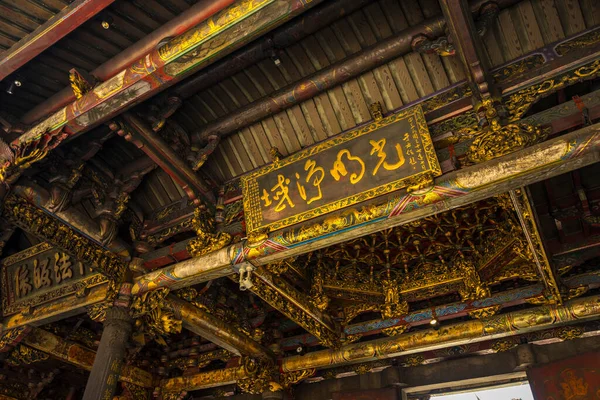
{"x": 41, "y": 274}
{"x": 356, "y": 166}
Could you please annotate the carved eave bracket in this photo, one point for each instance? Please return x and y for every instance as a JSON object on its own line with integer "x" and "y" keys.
{"x": 290, "y": 302}
{"x": 528, "y": 222}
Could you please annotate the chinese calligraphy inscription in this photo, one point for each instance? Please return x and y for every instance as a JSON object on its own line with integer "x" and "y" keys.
{"x": 357, "y": 166}
{"x": 41, "y": 273}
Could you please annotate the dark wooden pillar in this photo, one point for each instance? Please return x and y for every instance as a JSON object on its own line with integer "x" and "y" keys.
{"x": 102, "y": 382}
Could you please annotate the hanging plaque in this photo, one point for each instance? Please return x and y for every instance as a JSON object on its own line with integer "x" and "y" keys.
{"x": 359, "y": 165}
{"x": 42, "y": 274}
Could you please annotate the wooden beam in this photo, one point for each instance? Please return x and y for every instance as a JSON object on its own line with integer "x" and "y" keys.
{"x": 459, "y": 21}
{"x": 140, "y": 134}
{"x": 56, "y": 310}
{"x": 529, "y": 224}
{"x": 81, "y": 356}
{"x": 283, "y": 297}
{"x": 49, "y": 33}
{"x": 217, "y": 331}
{"x": 512, "y": 171}
{"x": 171, "y": 62}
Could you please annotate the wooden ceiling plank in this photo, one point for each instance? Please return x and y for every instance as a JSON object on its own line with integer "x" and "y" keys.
{"x": 287, "y": 67}
{"x": 223, "y": 163}
{"x": 300, "y": 126}
{"x": 55, "y": 28}
{"x": 189, "y": 118}
{"x": 228, "y": 102}
{"x": 42, "y": 80}
{"x": 273, "y": 73}
{"x": 377, "y": 21}
{"x": 67, "y": 56}
{"x": 244, "y": 139}
{"x": 371, "y": 91}
{"x": 591, "y": 12}
{"x": 205, "y": 109}
{"x": 394, "y": 14}
{"x": 341, "y": 108}
{"x": 54, "y": 5}
{"x": 127, "y": 8}
{"x": 198, "y": 111}
{"x": 18, "y": 18}
{"x": 113, "y": 36}
{"x": 454, "y": 69}
{"x": 330, "y": 45}
{"x": 313, "y": 120}
{"x": 315, "y": 52}
{"x": 548, "y": 20}
{"x": 262, "y": 141}
{"x": 527, "y": 27}
{"x": 404, "y": 82}
{"x": 158, "y": 190}
{"x": 412, "y": 11}
{"x": 346, "y": 37}
{"x": 123, "y": 26}
{"x": 272, "y": 132}
{"x": 287, "y": 132}
{"x": 212, "y": 99}
{"x": 356, "y": 101}
{"x": 491, "y": 46}
{"x": 240, "y": 153}
{"x": 260, "y": 81}
{"x": 234, "y": 93}
{"x": 213, "y": 168}
{"x": 13, "y": 30}
{"x": 437, "y": 72}
{"x": 512, "y": 45}
{"x": 30, "y": 94}
{"x": 419, "y": 74}
{"x": 571, "y": 16}
{"x": 31, "y": 9}
{"x": 32, "y": 87}
{"x": 327, "y": 114}
{"x": 7, "y": 42}
{"x": 168, "y": 185}
{"x": 301, "y": 60}
{"x": 83, "y": 50}
{"x": 430, "y": 8}
{"x": 180, "y": 5}
{"x": 246, "y": 86}
{"x": 157, "y": 10}
{"x": 387, "y": 87}
{"x": 56, "y": 63}
{"x": 231, "y": 157}
{"x": 362, "y": 29}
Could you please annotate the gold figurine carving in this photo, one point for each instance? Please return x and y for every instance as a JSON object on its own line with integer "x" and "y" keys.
{"x": 207, "y": 240}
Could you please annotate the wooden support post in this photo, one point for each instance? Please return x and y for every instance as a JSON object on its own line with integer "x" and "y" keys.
{"x": 102, "y": 382}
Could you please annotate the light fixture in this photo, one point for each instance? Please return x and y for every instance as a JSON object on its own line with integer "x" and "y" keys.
{"x": 434, "y": 322}
{"x": 14, "y": 84}
{"x": 107, "y": 22}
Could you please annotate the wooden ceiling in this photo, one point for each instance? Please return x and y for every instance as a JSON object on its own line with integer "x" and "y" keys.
{"x": 529, "y": 25}
{"x": 18, "y": 18}
{"x": 85, "y": 48}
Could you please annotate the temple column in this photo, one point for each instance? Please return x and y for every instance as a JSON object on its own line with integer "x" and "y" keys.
{"x": 102, "y": 382}
{"x": 268, "y": 395}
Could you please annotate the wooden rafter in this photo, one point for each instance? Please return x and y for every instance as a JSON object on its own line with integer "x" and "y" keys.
{"x": 49, "y": 33}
